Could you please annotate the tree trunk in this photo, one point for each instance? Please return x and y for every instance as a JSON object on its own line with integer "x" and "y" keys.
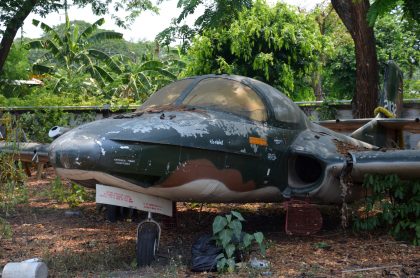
{"x": 317, "y": 80}
{"x": 353, "y": 14}
{"x": 12, "y": 26}
{"x": 317, "y": 85}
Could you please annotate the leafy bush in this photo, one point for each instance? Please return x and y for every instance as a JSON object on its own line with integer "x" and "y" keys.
{"x": 36, "y": 125}
{"x": 326, "y": 111}
{"x": 5, "y": 229}
{"x": 16, "y": 67}
{"x": 72, "y": 194}
{"x": 393, "y": 204}
{"x": 227, "y": 231}
{"x": 12, "y": 177}
{"x": 274, "y": 44}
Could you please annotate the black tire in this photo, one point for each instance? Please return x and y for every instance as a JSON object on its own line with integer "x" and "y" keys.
{"x": 112, "y": 213}
{"x": 146, "y": 245}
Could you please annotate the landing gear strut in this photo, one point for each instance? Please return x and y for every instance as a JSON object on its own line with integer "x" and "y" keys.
{"x": 148, "y": 237}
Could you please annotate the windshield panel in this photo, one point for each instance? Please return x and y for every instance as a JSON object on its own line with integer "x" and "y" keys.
{"x": 229, "y": 96}
{"x": 167, "y": 95}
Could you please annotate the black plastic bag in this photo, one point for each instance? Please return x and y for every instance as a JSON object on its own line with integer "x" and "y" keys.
{"x": 203, "y": 254}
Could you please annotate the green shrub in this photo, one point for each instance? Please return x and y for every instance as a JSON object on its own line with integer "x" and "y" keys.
{"x": 72, "y": 194}
{"x": 326, "y": 111}
{"x": 227, "y": 231}
{"x": 13, "y": 190}
{"x": 394, "y": 204}
{"x": 36, "y": 125}
{"x": 5, "y": 229}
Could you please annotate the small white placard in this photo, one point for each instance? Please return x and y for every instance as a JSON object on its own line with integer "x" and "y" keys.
{"x": 125, "y": 198}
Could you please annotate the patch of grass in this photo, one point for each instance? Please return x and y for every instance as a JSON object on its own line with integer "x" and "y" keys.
{"x": 311, "y": 270}
{"x": 322, "y": 245}
{"x": 171, "y": 270}
{"x": 13, "y": 190}
{"x": 5, "y": 229}
{"x": 104, "y": 258}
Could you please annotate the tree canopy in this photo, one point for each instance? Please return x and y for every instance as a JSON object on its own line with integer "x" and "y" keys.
{"x": 277, "y": 45}
{"x": 217, "y": 14}
{"x": 379, "y": 8}
{"x": 14, "y": 12}
{"x": 307, "y": 55}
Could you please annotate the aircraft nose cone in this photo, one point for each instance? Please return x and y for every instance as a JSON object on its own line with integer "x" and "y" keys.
{"x": 75, "y": 151}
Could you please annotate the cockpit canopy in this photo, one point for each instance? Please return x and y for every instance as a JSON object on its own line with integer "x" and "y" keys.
{"x": 242, "y": 96}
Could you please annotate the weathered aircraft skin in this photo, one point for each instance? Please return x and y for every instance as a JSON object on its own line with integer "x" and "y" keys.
{"x": 188, "y": 149}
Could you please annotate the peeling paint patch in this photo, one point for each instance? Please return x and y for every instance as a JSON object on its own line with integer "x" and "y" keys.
{"x": 77, "y": 162}
{"x": 100, "y": 145}
{"x": 240, "y": 128}
{"x": 278, "y": 141}
{"x": 190, "y": 127}
{"x": 254, "y": 147}
{"x": 271, "y": 156}
{"x": 191, "y": 130}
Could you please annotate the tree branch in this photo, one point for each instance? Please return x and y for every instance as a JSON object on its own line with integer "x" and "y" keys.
{"x": 342, "y": 7}
{"x": 12, "y": 27}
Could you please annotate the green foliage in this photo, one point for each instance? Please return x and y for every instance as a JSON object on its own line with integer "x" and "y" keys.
{"x": 17, "y": 64}
{"x": 326, "y": 111}
{"x": 75, "y": 72}
{"x": 13, "y": 190}
{"x": 177, "y": 33}
{"x": 5, "y": 229}
{"x": 336, "y": 64}
{"x": 16, "y": 67}
{"x": 44, "y": 96}
{"x": 36, "y": 125}
{"x": 216, "y": 14}
{"x": 380, "y": 8}
{"x": 12, "y": 177}
{"x": 340, "y": 73}
{"x": 138, "y": 80}
{"x": 396, "y": 39}
{"x": 14, "y": 12}
{"x": 72, "y": 194}
{"x": 394, "y": 204}
{"x": 322, "y": 245}
{"x": 277, "y": 45}
{"x": 132, "y": 50}
{"x": 227, "y": 231}
{"x": 69, "y": 54}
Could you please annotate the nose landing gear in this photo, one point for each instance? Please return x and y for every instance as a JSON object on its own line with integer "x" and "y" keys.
{"x": 147, "y": 244}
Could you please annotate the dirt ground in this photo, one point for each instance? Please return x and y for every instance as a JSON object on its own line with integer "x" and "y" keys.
{"x": 86, "y": 245}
